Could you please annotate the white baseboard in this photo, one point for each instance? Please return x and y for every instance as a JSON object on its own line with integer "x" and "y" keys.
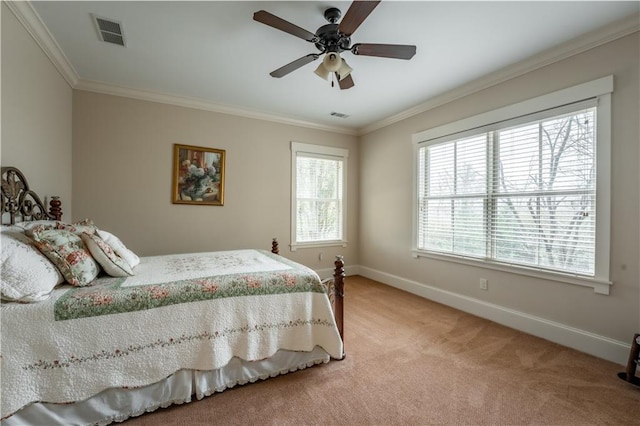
{"x": 325, "y": 273}
{"x": 328, "y": 272}
{"x": 583, "y": 341}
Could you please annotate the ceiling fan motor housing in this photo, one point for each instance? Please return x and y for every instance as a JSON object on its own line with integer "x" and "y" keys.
{"x": 330, "y": 40}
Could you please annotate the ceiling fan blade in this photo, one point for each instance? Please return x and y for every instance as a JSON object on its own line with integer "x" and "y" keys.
{"x": 282, "y": 25}
{"x": 345, "y": 83}
{"x": 357, "y": 13}
{"x": 292, "y": 66}
{"x": 397, "y": 51}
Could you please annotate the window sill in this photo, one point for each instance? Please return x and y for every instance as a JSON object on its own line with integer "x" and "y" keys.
{"x": 599, "y": 286}
{"x": 296, "y": 246}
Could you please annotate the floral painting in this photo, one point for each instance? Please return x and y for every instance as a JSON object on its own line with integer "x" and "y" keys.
{"x": 198, "y": 175}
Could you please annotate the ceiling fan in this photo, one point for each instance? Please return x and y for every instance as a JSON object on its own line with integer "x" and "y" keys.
{"x": 334, "y": 38}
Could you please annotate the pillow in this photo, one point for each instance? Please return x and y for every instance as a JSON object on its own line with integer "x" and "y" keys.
{"x": 67, "y": 251}
{"x": 27, "y": 275}
{"x": 28, "y": 226}
{"x": 130, "y": 257}
{"x": 112, "y": 264}
{"x": 77, "y": 227}
{"x": 12, "y": 228}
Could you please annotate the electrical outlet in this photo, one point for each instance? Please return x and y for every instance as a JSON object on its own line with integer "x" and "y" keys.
{"x": 484, "y": 284}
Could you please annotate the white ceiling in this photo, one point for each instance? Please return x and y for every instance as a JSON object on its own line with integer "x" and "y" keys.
{"x": 214, "y": 53}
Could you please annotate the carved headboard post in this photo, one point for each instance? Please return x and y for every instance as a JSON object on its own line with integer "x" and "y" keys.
{"x": 55, "y": 207}
{"x": 18, "y": 201}
{"x": 274, "y": 246}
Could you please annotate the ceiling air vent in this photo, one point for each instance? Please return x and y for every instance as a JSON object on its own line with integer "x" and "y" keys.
{"x": 109, "y": 30}
{"x": 339, "y": 115}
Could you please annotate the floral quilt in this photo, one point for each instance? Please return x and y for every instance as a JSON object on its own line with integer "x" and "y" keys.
{"x": 167, "y": 280}
{"x": 194, "y": 311}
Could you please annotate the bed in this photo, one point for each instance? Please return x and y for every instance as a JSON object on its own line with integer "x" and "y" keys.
{"x": 136, "y": 338}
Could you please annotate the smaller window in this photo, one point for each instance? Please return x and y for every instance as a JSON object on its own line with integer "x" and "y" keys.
{"x": 318, "y": 196}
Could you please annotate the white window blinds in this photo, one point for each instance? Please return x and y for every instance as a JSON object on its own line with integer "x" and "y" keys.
{"x": 519, "y": 192}
{"x": 543, "y": 208}
{"x": 453, "y": 189}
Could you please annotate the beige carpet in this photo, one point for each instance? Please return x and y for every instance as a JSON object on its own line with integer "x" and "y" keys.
{"x": 414, "y": 362}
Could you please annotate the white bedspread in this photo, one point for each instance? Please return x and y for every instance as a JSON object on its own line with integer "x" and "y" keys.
{"x": 77, "y": 356}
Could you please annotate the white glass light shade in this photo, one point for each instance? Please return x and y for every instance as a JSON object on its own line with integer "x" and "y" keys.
{"x": 332, "y": 61}
{"x": 344, "y": 70}
{"x": 322, "y": 72}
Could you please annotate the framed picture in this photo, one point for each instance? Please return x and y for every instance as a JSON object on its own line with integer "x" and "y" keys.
{"x": 198, "y": 175}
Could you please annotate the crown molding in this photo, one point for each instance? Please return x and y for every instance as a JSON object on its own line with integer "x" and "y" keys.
{"x": 606, "y": 34}
{"x": 201, "y": 104}
{"x": 30, "y": 20}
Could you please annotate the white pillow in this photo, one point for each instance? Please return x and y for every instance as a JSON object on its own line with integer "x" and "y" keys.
{"x": 112, "y": 264}
{"x": 27, "y": 275}
{"x": 12, "y": 228}
{"x": 130, "y": 257}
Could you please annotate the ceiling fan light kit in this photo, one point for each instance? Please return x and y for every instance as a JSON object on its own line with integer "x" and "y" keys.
{"x": 332, "y": 39}
{"x": 332, "y": 63}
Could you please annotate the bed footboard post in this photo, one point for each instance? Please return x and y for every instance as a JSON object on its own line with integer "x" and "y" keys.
{"x": 338, "y": 276}
{"x": 274, "y": 246}
{"x": 634, "y": 359}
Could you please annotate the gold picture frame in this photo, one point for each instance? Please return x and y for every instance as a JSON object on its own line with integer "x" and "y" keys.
{"x": 198, "y": 175}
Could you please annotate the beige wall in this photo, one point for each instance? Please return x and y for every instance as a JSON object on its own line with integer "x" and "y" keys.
{"x": 122, "y": 177}
{"x": 36, "y": 113}
{"x": 122, "y": 159}
{"x": 386, "y": 201}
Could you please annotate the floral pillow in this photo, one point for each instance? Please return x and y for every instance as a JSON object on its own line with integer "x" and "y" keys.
{"x": 112, "y": 264}
{"x": 121, "y": 250}
{"x": 85, "y": 225}
{"x": 67, "y": 251}
{"x": 27, "y": 275}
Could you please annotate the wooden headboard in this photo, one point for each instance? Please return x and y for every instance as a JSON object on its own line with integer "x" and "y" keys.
{"x": 20, "y": 203}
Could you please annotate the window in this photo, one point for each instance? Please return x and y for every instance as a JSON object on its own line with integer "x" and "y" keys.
{"x": 521, "y": 193}
{"x": 318, "y": 195}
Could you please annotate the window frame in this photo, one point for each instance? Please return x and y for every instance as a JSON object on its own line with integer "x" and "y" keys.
{"x": 599, "y": 89}
{"x": 318, "y": 151}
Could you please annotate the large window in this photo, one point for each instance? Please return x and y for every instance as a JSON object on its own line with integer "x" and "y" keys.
{"x": 520, "y": 192}
{"x": 318, "y": 195}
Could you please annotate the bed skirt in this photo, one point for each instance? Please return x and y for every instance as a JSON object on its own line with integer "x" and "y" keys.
{"x": 117, "y": 405}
